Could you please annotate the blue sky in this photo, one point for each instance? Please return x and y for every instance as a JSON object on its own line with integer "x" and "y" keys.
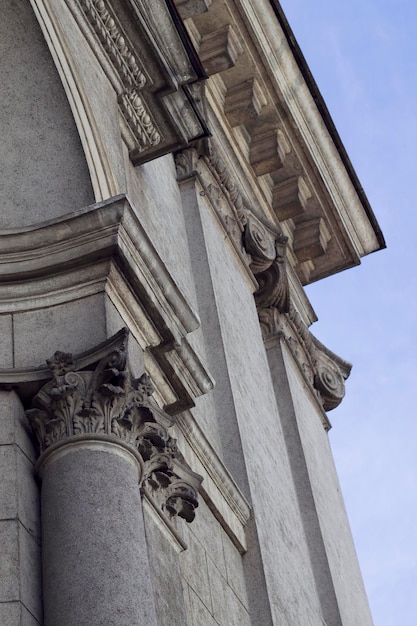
{"x": 363, "y": 56}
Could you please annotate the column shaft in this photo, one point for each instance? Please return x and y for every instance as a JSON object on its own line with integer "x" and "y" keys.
{"x": 95, "y": 560}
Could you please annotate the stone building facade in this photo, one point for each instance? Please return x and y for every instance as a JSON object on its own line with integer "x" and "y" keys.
{"x": 170, "y": 181}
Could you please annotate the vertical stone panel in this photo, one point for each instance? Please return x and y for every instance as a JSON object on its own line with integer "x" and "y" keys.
{"x": 328, "y": 501}
{"x": 166, "y": 577}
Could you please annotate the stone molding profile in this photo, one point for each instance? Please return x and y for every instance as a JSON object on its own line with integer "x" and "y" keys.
{"x": 115, "y": 42}
{"x": 152, "y": 76}
{"x": 104, "y": 402}
{"x": 255, "y": 101}
{"x": 104, "y": 248}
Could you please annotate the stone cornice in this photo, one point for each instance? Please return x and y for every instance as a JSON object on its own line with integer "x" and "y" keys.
{"x": 104, "y": 247}
{"x": 276, "y": 140}
{"x": 158, "y": 107}
{"x": 155, "y": 76}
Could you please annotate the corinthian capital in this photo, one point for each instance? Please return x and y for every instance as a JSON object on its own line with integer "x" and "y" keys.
{"x": 104, "y": 402}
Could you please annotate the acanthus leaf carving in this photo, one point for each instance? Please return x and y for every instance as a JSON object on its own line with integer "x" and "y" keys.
{"x": 107, "y": 401}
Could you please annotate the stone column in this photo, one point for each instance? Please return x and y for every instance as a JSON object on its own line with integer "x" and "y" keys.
{"x": 102, "y": 437}
{"x": 94, "y": 555}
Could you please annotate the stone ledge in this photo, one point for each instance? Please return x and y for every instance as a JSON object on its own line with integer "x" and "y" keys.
{"x": 104, "y": 248}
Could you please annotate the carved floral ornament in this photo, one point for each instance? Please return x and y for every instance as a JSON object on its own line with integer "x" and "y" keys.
{"x": 107, "y": 403}
{"x": 267, "y": 250}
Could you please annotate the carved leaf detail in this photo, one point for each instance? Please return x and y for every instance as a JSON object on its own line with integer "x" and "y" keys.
{"x": 106, "y": 401}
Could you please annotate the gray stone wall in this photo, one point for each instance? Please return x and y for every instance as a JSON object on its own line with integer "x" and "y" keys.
{"x": 20, "y": 535}
{"x": 270, "y": 543}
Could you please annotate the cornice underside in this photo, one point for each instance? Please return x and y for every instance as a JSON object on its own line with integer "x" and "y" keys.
{"x": 267, "y": 150}
{"x": 105, "y": 250}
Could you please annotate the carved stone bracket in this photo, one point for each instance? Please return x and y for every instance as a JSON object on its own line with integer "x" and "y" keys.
{"x": 323, "y": 370}
{"x": 268, "y": 254}
{"x": 330, "y": 374}
{"x": 104, "y": 402}
{"x": 219, "y": 49}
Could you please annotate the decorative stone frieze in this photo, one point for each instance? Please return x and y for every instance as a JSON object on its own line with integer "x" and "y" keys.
{"x": 115, "y": 42}
{"x": 104, "y": 402}
{"x": 191, "y": 163}
{"x": 139, "y": 120}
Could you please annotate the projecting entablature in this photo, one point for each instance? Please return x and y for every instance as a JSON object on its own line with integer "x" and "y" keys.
{"x": 146, "y": 55}
{"x": 277, "y": 136}
{"x": 179, "y": 71}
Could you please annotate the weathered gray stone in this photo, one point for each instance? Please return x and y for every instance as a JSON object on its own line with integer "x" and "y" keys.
{"x": 8, "y": 486}
{"x": 95, "y": 561}
{"x": 30, "y": 574}
{"x": 119, "y": 77}
{"x": 6, "y": 341}
{"x": 19, "y": 493}
{"x": 208, "y": 532}
{"x": 9, "y": 561}
{"x": 15, "y": 428}
{"x": 200, "y": 614}
{"x": 234, "y": 570}
{"x": 194, "y": 570}
{"x": 166, "y": 577}
{"x": 15, "y": 614}
{"x": 39, "y": 333}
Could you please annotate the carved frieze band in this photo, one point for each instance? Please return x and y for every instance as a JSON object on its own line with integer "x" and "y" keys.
{"x": 122, "y": 56}
{"x": 267, "y": 258}
{"x": 115, "y": 42}
{"x": 138, "y": 120}
{"x": 105, "y": 400}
